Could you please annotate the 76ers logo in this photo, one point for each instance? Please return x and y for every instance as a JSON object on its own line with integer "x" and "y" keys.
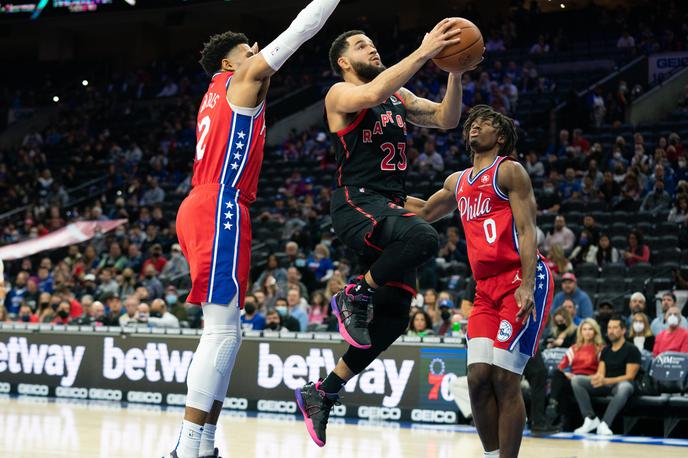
{"x": 485, "y": 178}
{"x": 505, "y": 331}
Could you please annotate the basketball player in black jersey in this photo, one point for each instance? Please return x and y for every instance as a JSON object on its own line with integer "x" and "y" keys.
{"x": 366, "y": 115}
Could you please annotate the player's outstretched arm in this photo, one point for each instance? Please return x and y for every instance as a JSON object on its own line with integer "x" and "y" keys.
{"x": 426, "y": 113}
{"x": 349, "y": 98}
{"x": 515, "y": 180}
{"x": 267, "y": 62}
{"x": 439, "y": 205}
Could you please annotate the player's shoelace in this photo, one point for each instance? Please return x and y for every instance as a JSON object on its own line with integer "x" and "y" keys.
{"x": 314, "y": 409}
{"x": 357, "y": 314}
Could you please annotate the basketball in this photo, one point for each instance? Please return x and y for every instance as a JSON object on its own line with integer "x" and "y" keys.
{"x": 465, "y": 54}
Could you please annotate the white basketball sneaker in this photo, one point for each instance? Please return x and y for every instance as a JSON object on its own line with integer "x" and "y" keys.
{"x": 604, "y": 430}
{"x": 588, "y": 425}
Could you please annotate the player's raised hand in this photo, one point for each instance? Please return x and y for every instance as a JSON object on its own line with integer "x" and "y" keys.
{"x": 525, "y": 302}
{"x": 445, "y": 33}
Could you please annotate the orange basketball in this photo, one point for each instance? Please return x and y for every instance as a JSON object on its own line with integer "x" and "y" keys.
{"x": 465, "y": 54}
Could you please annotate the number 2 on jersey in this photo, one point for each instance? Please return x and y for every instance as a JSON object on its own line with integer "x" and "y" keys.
{"x": 490, "y": 229}
{"x": 203, "y": 128}
{"x": 388, "y": 163}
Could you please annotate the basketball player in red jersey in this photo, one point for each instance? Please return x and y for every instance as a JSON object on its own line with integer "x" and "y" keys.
{"x": 514, "y": 287}
{"x": 213, "y": 222}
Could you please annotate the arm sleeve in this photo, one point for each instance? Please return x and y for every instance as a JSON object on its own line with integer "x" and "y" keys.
{"x": 309, "y": 21}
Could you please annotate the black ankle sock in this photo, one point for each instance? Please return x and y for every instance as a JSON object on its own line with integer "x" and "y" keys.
{"x": 332, "y": 383}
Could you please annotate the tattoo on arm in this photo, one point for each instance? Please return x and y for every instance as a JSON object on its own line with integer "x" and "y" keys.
{"x": 421, "y": 112}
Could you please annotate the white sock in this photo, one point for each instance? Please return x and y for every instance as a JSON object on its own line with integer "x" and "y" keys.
{"x": 492, "y": 454}
{"x": 207, "y": 440}
{"x": 189, "y": 440}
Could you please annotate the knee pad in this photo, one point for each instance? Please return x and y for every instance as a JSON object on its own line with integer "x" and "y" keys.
{"x": 422, "y": 242}
{"x": 226, "y": 353}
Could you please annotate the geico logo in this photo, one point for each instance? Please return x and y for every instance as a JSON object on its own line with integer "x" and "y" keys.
{"x": 17, "y": 356}
{"x": 235, "y": 403}
{"x": 295, "y": 370}
{"x": 5, "y": 387}
{"x": 433, "y": 416}
{"x": 34, "y": 390}
{"x": 144, "y": 396}
{"x": 155, "y": 362}
{"x": 382, "y": 413}
{"x": 104, "y": 394}
{"x": 276, "y": 406}
{"x": 71, "y": 392}
{"x": 176, "y": 399}
{"x": 339, "y": 411}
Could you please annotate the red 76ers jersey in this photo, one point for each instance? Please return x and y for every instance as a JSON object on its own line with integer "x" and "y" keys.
{"x": 488, "y": 222}
{"x": 230, "y": 141}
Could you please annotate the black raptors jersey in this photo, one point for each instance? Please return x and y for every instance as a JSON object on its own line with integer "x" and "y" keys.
{"x": 371, "y": 151}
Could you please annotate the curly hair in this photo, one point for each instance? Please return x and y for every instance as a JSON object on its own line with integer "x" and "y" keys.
{"x": 503, "y": 124}
{"x": 217, "y": 48}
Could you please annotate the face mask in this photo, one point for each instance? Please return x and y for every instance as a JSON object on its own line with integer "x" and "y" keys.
{"x": 44, "y": 305}
{"x": 171, "y": 299}
{"x": 250, "y": 309}
{"x": 617, "y": 155}
{"x": 282, "y": 310}
{"x": 63, "y": 314}
{"x": 672, "y": 320}
{"x": 26, "y": 318}
{"x": 561, "y": 326}
{"x": 583, "y": 242}
{"x": 638, "y": 326}
{"x": 446, "y": 315}
{"x": 273, "y": 326}
{"x": 682, "y": 164}
{"x": 549, "y": 190}
{"x": 156, "y": 314}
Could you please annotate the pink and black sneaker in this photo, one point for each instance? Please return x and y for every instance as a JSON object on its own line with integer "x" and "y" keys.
{"x": 352, "y": 307}
{"x": 315, "y": 406}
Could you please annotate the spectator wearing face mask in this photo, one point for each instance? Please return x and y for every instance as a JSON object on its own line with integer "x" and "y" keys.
{"x": 252, "y": 320}
{"x": 659, "y": 324}
{"x": 62, "y": 313}
{"x": 160, "y": 317}
{"x": 286, "y": 320}
{"x": 562, "y": 329}
{"x": 176, "y": 267}
{"x": 640, "y": 333}
{"x": 674, "y": 337}
{"x": 26, "y": 315}
{"x": 446, "y": 308}
{"x": 273, "y": 320}
{"x": 585, "y": 251}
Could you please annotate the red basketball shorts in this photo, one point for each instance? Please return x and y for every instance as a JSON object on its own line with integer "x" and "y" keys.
{"x": 494, "y": 313}
{"x": 214, "y": 231}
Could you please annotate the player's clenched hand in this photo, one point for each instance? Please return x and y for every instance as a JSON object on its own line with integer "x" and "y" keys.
{"x": 525, "y": 302}
{"x": 445, "y": 33}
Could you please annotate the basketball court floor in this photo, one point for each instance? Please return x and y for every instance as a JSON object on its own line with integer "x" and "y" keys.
{"x": 33, "y": 427}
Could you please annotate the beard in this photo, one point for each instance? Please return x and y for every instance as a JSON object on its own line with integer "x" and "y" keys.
{"x": 367, "y": 71}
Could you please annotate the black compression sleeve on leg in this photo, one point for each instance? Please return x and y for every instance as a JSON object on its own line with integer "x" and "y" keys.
{"x": 416, "y": 246}
{"x": 391, "y": 318}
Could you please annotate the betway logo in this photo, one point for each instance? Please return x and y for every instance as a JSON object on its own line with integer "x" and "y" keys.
{"x": 55, "y": 360}
{"x": 296, "y": 370}
{"x": 137, "y": 363}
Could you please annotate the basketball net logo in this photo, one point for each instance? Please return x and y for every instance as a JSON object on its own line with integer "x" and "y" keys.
{"x": 505, "y": 331}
